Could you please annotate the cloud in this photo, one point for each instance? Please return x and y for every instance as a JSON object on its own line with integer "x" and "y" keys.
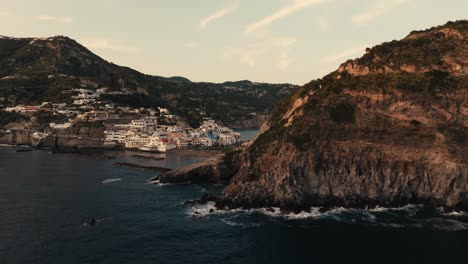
{"x": 247, "y": 55}
{"x": 323, "y": 24}
{"x": 191, "y": 45}
{"x": 3, "y": 12}
{"x": 252, "y": 53}
{"x": 293, "y": 7}
{"x": 283, "y": 42}
{"x": 285, "y": 60}
{"x": 217, "y": 15}
{"x": 345, "y": 54}
{"x": 104, "y": 44}
{"x": 376, "y": 9}
{"x": 66, "y": 19}
{"x": 249, "y": 59}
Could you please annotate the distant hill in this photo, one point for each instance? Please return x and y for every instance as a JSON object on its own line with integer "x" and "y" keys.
{"x": 178, "y": 79}
{"x": 46, "y": 69}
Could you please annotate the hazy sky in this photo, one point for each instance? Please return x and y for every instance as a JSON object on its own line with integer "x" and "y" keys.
{"x": 217, "y": 40}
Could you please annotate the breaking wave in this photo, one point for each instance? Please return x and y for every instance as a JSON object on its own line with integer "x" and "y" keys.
{"x": 409, "y": 216}
{"x": 456, "y": 214}
{"x": 203, "y": 190}
{"x": 158, "y": 183}
{"x": 112, "y": 180}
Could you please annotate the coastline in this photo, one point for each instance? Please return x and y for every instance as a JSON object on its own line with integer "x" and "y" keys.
{"x": 207, "y": 153}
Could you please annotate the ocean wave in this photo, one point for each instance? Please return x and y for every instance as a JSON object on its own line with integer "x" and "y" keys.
{"x": 202, "y": 210}
{"x": 111, "y": 180}
{"x": 164, "y": 184}
{"x": 456, "y": 214}
{"x": 390, "y": 217}
{"x": 203, "y": 190}
{"x": 409, "y": 208}
{"x": 158, "y": 183}
{"x": 240, "y": 224}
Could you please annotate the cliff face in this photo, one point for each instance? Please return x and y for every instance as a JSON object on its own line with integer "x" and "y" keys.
{"x": 388, "y": 128}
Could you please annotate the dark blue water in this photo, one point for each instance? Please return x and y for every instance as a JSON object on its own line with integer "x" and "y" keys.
{"x": 46, "y": 199}
{"x": 248, "y": 134}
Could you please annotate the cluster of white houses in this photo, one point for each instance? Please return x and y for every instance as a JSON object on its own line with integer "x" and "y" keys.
{"x": 131, "y": 128}
{"x": 145, "y": 134}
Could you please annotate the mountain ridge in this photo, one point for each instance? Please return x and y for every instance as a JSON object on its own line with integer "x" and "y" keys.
{"x": 35, "y": 69}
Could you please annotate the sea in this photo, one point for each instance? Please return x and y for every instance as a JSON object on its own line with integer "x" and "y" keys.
{"x": 47, "y": 201}
{"x": 248, "y": 134}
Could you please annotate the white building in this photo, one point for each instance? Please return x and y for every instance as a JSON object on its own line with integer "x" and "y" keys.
{"x": 60, "y": 126}
{"x": 83, "y": 101}
{"x": 138, "y": 125}
{"x": 116, "y": 136}
{"x": 206, "y": 142}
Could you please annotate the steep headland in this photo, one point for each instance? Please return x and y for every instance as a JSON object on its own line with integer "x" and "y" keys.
{"x": 388, "y": 128}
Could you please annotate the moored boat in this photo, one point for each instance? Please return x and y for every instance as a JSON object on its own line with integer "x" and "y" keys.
{"x": 158, "y": 147}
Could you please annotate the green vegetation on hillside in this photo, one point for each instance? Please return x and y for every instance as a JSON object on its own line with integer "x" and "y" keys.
{"x": 9, "y": 117}
{"x": 331, "y": 108}
{"x": 36, "y": 70}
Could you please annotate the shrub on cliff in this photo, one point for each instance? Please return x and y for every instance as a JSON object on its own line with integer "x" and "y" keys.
{"x": 343, "y": 112}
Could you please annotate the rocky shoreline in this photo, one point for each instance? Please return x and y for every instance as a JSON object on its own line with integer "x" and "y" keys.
{"x": 216, "y": 169}
{"x": 141, "y": 167}
{"x": 208, "y": 153}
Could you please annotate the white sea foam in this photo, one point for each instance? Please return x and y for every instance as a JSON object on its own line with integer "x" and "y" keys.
{"x": 276, "y": 212}
{"x": 111, "y": 180}
{"x": 202, "y": 210}
{"x": 402, "y": 217}
{"x": 456, "y": 214}
{"x": 201, "y": 189}
{"x": 379, "y": 209}
{"x": 231, "y": 222}
{"x": 159, "y": 183}
{"x": 164, "y": 184}
{"x": 409, "y": 209}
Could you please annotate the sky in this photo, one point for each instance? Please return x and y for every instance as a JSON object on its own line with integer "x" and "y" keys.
{"x": 276, "y": 41}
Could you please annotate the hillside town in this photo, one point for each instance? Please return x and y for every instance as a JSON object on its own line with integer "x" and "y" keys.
{"x": 144, "y": 129}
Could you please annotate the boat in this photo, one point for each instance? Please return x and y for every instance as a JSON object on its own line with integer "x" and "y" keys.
{"x": 158, "y": 147}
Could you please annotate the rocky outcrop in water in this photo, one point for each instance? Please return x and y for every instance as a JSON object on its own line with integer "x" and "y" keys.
{"x": 213, "y": 170}
{"x": 388, "y": 128}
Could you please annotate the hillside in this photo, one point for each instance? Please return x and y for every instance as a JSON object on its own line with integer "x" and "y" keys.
{"x": 388, "y": 128}
{"x": 33, "y": 70}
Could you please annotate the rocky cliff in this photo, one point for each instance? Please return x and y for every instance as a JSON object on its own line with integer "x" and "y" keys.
{"x": 388, "y": 128}
{"x": 83, "y": 135}
{"x": 216, "y": 169}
